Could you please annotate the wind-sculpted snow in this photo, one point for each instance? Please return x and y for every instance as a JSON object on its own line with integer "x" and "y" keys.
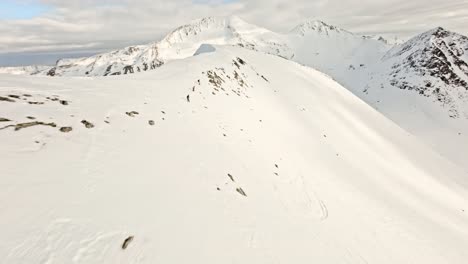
{"x": 205, "y": 48}
{"x": 231, "y": 156}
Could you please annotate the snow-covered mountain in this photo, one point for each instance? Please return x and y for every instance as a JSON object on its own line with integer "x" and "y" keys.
{"x": 313, "y": 43}
{"x": 180, "y": 43}
{"x": 228, "y": 156}
{"x": 433, "y": 64}
{"x": 333, "y": 50}
{"x": 422, "y": 86}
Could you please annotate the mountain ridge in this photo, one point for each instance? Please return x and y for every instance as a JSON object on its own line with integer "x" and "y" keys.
{"x": 230, "y": 30}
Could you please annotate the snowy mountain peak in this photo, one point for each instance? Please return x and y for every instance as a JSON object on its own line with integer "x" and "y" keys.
{"x": 317, "y": 26}
{"x": 229, "y": 25}
{"x": 181, "y": 43}
{"x": 437, "y": 64}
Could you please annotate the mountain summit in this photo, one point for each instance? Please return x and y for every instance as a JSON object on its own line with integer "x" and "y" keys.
{"x": 178, "y": 44}
{"x": 299, "y": 44}
{"x": 434, "y": 64}
{"x": 318, "y": 27}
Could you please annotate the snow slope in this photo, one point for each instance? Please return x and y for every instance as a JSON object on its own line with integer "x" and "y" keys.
{"x": 333, "y": 50}
{"x": 250, "y": 159}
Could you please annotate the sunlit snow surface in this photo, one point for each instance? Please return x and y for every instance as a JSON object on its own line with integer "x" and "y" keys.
{"x": 251, "y": 159}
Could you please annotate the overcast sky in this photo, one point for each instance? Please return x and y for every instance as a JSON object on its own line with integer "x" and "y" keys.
{"x": 40, "y": 31}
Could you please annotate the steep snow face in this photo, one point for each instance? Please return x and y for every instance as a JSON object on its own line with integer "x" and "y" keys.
{"x": 231, "y": 155}
{"x": 334, "y": 50}
{"x": 185, "y": 40}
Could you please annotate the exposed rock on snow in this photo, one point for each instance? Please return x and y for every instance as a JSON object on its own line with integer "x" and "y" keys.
{"x": 433, "y": 64}
{"x": 87, "y": 124}
{"x": 20, "y": 126}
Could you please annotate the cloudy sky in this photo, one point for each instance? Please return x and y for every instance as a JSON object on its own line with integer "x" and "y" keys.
{"x": 40, "y": 31}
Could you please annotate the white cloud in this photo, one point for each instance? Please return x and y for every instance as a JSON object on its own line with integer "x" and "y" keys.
{"x": 90, "y": 25}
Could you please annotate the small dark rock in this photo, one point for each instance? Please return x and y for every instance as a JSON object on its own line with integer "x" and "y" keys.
{"x": 241, "y": 61}
{"x": 30, "y": 117}
{"x": 87, "y": 124}
{"x": 4, "y": 119}
{"x": 231, "y": 177}
{"x": 151, "y": 122}
{"x": 63, "y": 102}
{"x": 132, "y": 113}
{"x": 6, "y": 99}
{"x": 241, "y": 191}
{"x": 66, "y": 129}
{"x": 126, "y": 242}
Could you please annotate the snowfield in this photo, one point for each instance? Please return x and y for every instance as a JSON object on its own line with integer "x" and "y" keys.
{"x": 230, "y": 156}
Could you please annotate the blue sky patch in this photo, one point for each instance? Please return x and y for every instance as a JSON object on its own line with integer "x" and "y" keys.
{"x": 14, "y": 9}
